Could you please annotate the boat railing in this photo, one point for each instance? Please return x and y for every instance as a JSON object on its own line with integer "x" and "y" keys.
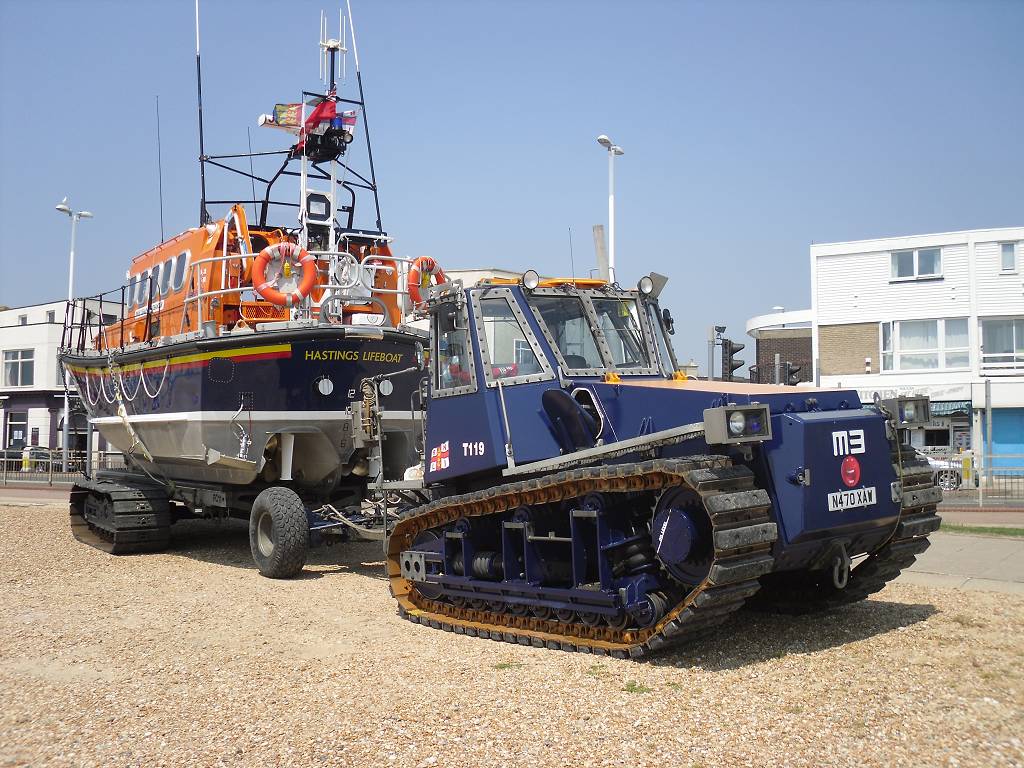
{"x": 199, "y": 298}
{"x": 87, "y": 323}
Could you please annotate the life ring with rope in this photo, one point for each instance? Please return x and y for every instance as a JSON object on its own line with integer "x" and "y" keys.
{"x": 423, "y": 270}
{"x": 291, "y": 256}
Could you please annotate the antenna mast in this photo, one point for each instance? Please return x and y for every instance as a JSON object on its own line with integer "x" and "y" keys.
{"x": 160, "y": 169}
{"x": 362, "y": 101}
{"x": 204, "y": 215}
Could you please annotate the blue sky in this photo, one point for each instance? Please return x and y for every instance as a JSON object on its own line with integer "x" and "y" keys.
{"x": 750, "y": 130}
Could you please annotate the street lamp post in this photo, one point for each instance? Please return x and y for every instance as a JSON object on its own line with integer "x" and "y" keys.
{"x": 613, "y": 150}
{"x": 64, "y": 208}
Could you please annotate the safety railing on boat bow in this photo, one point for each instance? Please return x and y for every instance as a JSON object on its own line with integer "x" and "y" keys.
{"x": 105, "y": 321}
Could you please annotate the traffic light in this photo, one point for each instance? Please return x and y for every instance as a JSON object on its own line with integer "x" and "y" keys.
{"x": 730, "y": 349}
{"x": 792, "y": 377}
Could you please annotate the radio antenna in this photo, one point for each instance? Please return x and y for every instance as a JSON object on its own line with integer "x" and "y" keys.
{"x": 252, "y": 173}
{"x": 366, "y": 120}
{"x": 204, "y": 215}
{"x": 159, "y": 169}
{"x": 572, "y": 264}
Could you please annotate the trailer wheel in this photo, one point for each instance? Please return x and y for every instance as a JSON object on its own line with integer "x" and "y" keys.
{"x": 279, "y": 533}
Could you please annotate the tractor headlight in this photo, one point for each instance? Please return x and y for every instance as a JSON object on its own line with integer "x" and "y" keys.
{"x": 646, "y": 285}
{"x": 908, "y": 411}
{"x": 737, "y": 424}
{"x": 530, "y": 279}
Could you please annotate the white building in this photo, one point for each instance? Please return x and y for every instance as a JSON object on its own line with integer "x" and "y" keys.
{"x": 31, "y": 380}
{"x": 940, "y": 315}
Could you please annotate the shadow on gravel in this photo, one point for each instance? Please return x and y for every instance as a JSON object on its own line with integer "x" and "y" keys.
{"x": 750, "y": 637}
{"x": 226, "y": 542}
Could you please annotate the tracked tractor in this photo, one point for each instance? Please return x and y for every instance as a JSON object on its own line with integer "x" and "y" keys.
{"x": 587, "y": 496}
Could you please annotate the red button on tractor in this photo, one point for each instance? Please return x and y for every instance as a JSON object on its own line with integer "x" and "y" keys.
{"x": 850, "y": 471}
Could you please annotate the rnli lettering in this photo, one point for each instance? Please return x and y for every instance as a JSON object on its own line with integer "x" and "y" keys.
{"x": 353, "y": 355}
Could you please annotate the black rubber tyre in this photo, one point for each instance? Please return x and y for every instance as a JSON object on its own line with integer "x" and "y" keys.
{"x": 278, "y": 533}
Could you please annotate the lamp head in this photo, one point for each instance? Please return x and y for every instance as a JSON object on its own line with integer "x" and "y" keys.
{"x": 64, "y": 207}
{"x": 604, "y": 141}
{"x": 84, "y": 215}
{"x": 615, "y": 149}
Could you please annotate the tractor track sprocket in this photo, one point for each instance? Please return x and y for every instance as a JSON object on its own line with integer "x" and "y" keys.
{"x": 743, "y": 538}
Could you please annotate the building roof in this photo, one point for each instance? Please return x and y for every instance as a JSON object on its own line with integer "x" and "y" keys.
{"x": 883, "y": 243}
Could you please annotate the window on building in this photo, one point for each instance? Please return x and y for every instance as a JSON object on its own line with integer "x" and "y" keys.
{"x": 916, "y": 345}
{"x": 22, "y": 319}
{"x": 917, "y": 264}
{"x": 1008, "y": 257}
{"x": 956, "y": 346}
{"x": 1002, "y": 343}
{"x": 51, "y": 316}
{"x": 523, "y": 352}
{"x": 19, "y": 367}
{"x": 17, "y": 429}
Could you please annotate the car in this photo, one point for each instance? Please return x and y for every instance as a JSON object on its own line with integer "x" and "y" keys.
{"x": 947, "y": 471}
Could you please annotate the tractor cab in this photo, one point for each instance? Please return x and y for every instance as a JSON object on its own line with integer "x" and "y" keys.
{"x": 514, "y": 365}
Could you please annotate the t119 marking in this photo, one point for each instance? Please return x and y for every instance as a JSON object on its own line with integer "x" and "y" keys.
{"x": 474, "y": 449}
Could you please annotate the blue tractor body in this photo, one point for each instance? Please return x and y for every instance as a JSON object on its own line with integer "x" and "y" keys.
{"x": 585, "y": 490}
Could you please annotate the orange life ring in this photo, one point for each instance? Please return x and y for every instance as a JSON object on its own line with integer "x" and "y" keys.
{"x": 289, "y": 253}
{"x": 423, "y": 269}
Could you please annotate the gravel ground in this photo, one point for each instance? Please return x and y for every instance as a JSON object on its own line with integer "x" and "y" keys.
{"x": 191, "y": 658}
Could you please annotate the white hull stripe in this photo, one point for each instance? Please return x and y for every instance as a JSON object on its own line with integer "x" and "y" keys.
{"x": 220, "y": 416}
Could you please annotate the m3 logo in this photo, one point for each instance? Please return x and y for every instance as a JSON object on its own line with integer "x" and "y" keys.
{"x": 847, "y": 442}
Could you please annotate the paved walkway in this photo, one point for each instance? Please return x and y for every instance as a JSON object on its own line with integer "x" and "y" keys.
{"x": 988, "y": 563}
{"x": 39, "y": 495}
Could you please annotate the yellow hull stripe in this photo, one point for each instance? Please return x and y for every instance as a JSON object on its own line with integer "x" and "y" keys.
{"x": 276, "y": 350}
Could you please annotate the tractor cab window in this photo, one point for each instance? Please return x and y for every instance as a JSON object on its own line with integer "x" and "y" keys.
{"x": 453, "y": 356}
{"x": 661, "y": 343}
{"x": 509, "y": 351}
{"x": 569, "y": 326}
{"x": 620, "y": 323}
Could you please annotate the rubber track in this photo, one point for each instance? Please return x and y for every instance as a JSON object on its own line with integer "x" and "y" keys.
{"x": 137, "y": 517}
{"x": 917, "y": 519}
{"x": 737, "y": 509}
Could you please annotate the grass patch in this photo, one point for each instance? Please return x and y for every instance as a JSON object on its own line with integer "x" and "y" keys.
{"x": 795, "y": 709}
{"x": 633, "y": 686}
{"x": 982, "y": 530}
{"x": 675, "y": 686}
{"x": 596, "y": 670}
{"x": 508, "y": 665}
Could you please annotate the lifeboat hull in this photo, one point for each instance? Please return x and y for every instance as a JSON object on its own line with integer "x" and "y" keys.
{"x": 218, "y": 410}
